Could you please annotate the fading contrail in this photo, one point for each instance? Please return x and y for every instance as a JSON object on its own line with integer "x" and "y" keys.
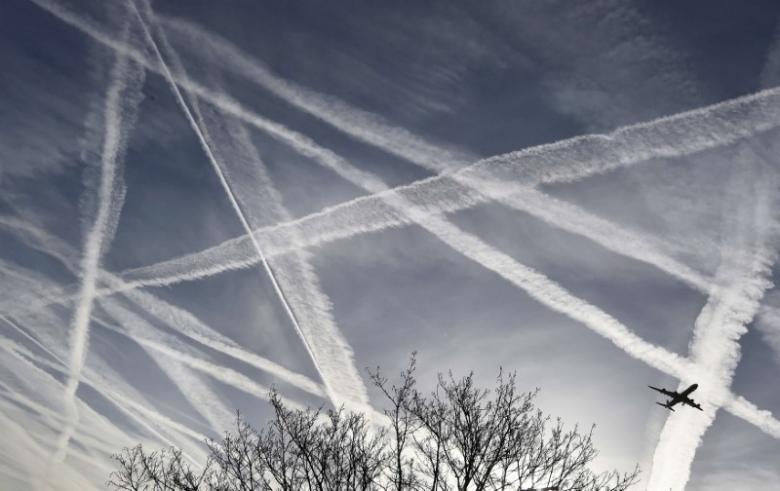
{"x": 41, "y": 380}
{"x": 680, "y": 134}
{"x": 178, "y": 319}
{"x": 258, "y": 197}
{"x": 245, "y": 171}
{"x": 197, "y": 392}
{"x": 744, "y": 273}
{"x": 220, "y": 174}
{"x": 122, "y": 99}
{"x": 103, "y": 379}
{"x": 98, "y": 375}
{"x": 174, "y": 358}
{"x": 572, "y": 159}
{"x": 362, "y": 125}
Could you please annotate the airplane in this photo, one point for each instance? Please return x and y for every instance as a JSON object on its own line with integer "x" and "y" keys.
{"x": 678, "y": 397}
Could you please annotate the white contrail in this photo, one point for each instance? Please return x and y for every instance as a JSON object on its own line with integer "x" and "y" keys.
{"x": 258, "y": 197}
{"x": 196, "y": 391}
{"x": 672, "y": 136}
{"x": 680, "y": 134}
{"x": 572, "y": 159}
{"x": 253, "y": 189}
{"x": 102, "y": 378}
{"x": 174, "y": 317}
{"x": 98, "y": 375}
{"x": 21, "y": 362}
{"x": 175, "y": 362}
{"x": 374, "y": 130}
{"x": 535, "y": 284}
{"x": 228, "y": 191}
{"x": 122, "y": 99}
{"x": 202, "y": 399}
{"x": 359, "y": 124}
{"x": 746, "y": 266}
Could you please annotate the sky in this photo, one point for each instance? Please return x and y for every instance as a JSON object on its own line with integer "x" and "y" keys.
{"x": 203, "y": 200}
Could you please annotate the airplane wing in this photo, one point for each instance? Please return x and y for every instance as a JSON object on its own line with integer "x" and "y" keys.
{"x": 690, "y": 402}
{"x": 665, "y": 392}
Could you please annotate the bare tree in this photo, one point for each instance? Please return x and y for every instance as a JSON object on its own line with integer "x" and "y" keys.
{"x": 458, "y": 437}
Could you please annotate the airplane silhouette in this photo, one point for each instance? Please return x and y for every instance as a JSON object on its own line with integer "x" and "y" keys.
{"x": 678, "y": 397}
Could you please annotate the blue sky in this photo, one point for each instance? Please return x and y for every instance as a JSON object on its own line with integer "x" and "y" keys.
{"x": 418, "y": 179}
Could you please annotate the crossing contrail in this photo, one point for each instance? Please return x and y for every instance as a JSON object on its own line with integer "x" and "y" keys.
{"x": 683, "y": 134}
{"x": 535, "y": 284}
{"x": 122, "y": 99}
{"x": 98, "y": 374}
{"x": 174, "y": 358}
{"x": 176, "y": 318}
{"x": 744, "y": 273}
{"x": 701, "y": 140}
{"x": 103, "y": 379}
{"x": 220, "y": 174}
{"x": 375, "y": 131}
{"x": 197, "y": 392}
{"x": 258, "y": 197}
{"x": 253, "y": 189}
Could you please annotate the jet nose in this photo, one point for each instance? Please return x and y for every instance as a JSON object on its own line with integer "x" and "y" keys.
{"x": 695, "y": 386}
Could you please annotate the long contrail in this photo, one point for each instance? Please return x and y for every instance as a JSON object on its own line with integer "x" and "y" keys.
{"x": 572, "y": 159}
{"x": 679, "y": 135}
{"x": 746, "y": 266}
{"x": 688, "y": 133}
{"x": 228, "y": 190}
{"x": 122, "y": 99}
{"x": 535, "y": 284}
{"x": 34, "y": 374}
{"x": 375, "y": 131}
{"x": 253, "y": 189}
{"x": 40, "y": 379}
{"x": 195, "y": 390}
{"x": 256, "y": 193}
{"x": 362, "y": 125}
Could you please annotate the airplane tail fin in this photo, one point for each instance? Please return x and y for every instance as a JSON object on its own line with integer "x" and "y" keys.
{"x": 670, "y": 408}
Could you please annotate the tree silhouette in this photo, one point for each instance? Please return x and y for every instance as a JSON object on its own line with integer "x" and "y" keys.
{"x": 456, "y": 438}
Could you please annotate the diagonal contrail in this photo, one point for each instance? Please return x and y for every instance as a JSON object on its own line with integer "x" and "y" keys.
{"x": 535, "y": 284}
{"x": 374, "y": 130}
{"x": 682, "y": 134}
{"x": 122, "y": 99}
{"x": 173, "y": 357}
{"x": 744, "y": 272}
{"x": 97, "y": 374}
{"x": 256, "y": 193}
{"x": 176, "y": 318}
{"x": 688, "y": 133}
{"x": 228, "y": 190}
{"x": 620, "y": 143}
